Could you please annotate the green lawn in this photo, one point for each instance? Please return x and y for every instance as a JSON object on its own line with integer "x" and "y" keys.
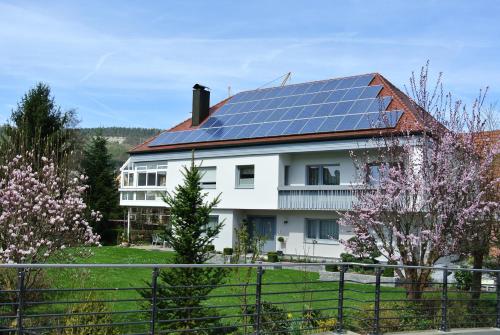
{"x": 288, "y": 294}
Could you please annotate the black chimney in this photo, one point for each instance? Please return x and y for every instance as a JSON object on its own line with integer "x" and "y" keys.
{"x": 201, "y": 104}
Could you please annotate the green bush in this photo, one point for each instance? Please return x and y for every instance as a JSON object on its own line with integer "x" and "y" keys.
{"x": 464, "y": 279}
{"x": 388, "y": 272}
{"x": 273, "y": 319}
{"x": 331, "y": 268}
{"x": 211, "y": 247}
{"x": 272, "y": 257}
{"x": 349, "y": 258}
{"x": 227, "y": 251}
{"x": 90, "y": 312}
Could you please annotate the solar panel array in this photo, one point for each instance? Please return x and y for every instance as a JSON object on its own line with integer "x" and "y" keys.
{"x": 323, "y": 106}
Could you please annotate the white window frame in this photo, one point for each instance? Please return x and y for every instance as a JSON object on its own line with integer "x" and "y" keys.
{"x": 143, "y": 169}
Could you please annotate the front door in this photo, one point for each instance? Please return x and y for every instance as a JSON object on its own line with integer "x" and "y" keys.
{"x": 265, "y": 228}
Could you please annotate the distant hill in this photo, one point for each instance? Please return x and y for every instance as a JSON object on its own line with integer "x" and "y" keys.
{"x": 120, "y": 139}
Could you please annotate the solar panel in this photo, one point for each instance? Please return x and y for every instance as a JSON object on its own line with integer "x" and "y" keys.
{"x": 323, "y": 106}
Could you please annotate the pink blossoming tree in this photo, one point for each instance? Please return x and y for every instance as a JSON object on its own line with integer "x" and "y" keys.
{"x": 40, "y": 211}
{"x": 431, "y": 195}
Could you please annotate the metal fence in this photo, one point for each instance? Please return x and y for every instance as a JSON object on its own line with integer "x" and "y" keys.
{"x": 278, "y": 298}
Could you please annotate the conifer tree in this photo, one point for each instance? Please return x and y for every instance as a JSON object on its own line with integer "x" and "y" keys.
{"x": 191, "y": 236}
{"x": 102, "y": 194}
{"x": 41, "y": 128}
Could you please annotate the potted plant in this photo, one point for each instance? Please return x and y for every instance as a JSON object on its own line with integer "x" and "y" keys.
{"x": 281, "y": 239}
{"x": 124, "y": 240}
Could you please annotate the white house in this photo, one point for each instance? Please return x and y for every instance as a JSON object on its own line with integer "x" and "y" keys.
{"x": 280, "y": 157}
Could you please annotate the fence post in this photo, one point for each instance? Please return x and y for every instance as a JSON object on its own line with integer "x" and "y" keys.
{"x": 258, "y": 291}
{"x": 498, "y": 300}
{"x": 444, "y": 301}
{"x": 340, "y": 304}
{"x": 154, "y": 300}
{"x": 376, "y": 310}
{"x": 21, "y": 273}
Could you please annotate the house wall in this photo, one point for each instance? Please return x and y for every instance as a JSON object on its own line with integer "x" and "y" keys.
{"x": 269, "y": 162}
{"x": 263, "y": 195}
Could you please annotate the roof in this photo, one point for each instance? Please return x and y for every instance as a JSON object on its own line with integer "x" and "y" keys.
{"x": 225, "y": 118}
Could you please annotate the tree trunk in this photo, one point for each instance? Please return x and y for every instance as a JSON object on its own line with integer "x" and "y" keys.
{"x": 478, "y": 258}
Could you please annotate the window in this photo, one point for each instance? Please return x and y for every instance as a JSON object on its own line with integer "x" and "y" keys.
{"x": 150, "y": 195}
{"x": 141, "y": 180}
{"x": 377, "y": 171}
{"x": 245, "y": 176}
{"x": 127, "y": 195}
{"x": 208, "y": 177}
{"x": 322, "y": 229}
{"x": 213, "y": 221}
{"x": 151, "y": 178}
{"x": 287, "y": 175}
{"x": 323, "y": 175}
{"x": 161, "y": 178}
{"x": 140, "y": 195}
{"x": 128, "y": 179}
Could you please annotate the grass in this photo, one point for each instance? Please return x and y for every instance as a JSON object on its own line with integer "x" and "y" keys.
{"x": 288, "y": 294}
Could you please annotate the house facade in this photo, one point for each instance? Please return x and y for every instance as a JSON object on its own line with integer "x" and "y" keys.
{"x": 280, "y": 158}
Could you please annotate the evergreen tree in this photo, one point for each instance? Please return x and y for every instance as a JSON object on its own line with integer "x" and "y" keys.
{"x": 40, "y": 127}
{"x": 102, "y": 194}
{"x": 181, "y": 291}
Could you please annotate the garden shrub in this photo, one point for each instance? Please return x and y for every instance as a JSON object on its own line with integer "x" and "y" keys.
{"x": 394, "y": 317}
{"x": 388, "y": 272}
{"x": 327, "y": 324}
{"x": 464, "y": 279}
{"x": 272, "y": 257}
{"x": 349, "y": 258}
{"x": 227, "y": 251}
{"x": 211, "y": 247}
{"x": 76, "y": 318}
{"x": 331, "y": 268}
{"x": 311, "y": 317}
{"x": 273, "y": 319}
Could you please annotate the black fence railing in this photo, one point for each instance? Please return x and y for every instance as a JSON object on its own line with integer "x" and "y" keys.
{"x": 278, "y": 298}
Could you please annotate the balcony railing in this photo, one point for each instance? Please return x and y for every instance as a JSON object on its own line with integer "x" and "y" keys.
{"x": 316, "y": 197}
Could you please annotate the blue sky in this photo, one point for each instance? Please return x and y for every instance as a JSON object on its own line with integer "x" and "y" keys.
{"x": 133, "y": 63}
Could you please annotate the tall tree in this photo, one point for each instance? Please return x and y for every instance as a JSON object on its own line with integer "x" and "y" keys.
{"x": 40, "y": 127}
{"x": 432, "y": 190}
{"x": 191, "y": 237}
{"x": 102, "y": 192}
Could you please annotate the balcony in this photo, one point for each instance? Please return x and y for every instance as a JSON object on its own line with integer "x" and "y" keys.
{"x": 316, "y": 197}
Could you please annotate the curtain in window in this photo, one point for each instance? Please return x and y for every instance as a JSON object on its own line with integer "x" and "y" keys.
{"x": 331, "y": 175}
{"x": 313, "y": 175}
{"x": 246, "y": 175}
{"x": 161, "y": 179}
{"x": 328, "y": 230}
{"x": 311, "y": 228}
